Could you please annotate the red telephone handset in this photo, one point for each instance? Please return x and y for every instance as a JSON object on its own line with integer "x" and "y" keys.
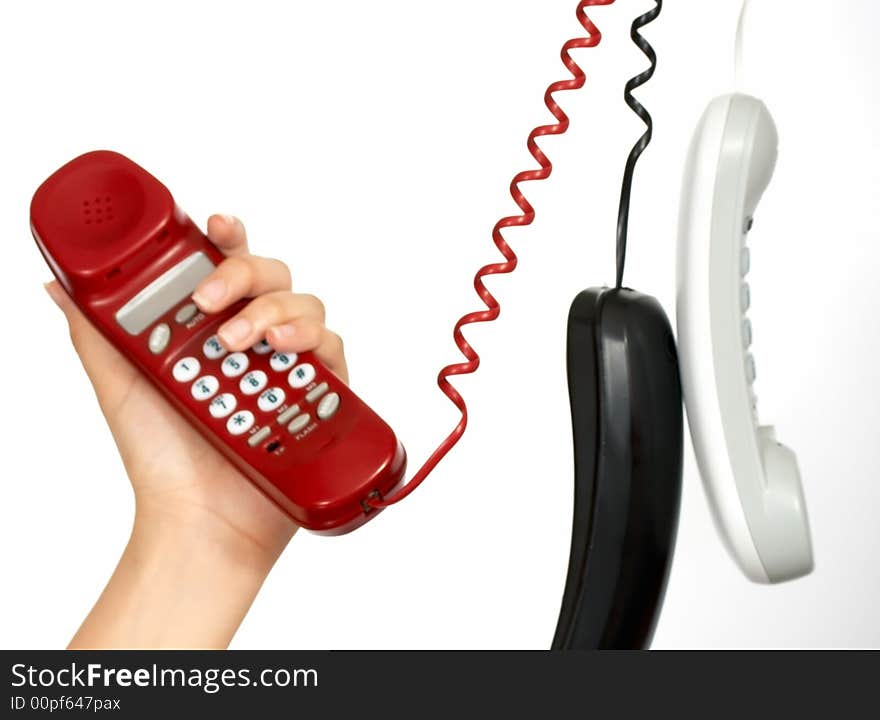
{"x": 130, "y": 259}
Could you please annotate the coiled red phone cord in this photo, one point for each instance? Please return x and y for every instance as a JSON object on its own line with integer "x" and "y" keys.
{"x": 502, "y": 268}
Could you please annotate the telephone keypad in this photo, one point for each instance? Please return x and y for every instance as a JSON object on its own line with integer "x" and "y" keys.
{"x": 747, "y": 332}
{"x": 235, "y": 365}
{"x": 263, "y": 348}
{"x": 282, "y": 361}
{"x": 240, "y": 423}
{"x": 301, "y": 376}
{"x": 253, "y": 377}
{"x": 212, "y": 348}
{"x": 186, "y": 369}
{"x": 751, "y": 373}
{"x": 253, "y": 382}
{"x": 205, "y": 387}
{"x": 223, "y": 405}
{"x": 271, "y": 399}
{"x": 745, "y": 262}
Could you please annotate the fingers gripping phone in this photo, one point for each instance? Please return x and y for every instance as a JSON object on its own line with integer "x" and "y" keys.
{"x": 130, "y": 259}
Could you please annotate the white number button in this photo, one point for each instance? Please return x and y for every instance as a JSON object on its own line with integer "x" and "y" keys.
{"x": 241, "y": 422}
{"x": 271, "y": 399}
{"x": 222, "y": 405}
{"x": 301, "y": 375}
{"x": 253, "y": 382}
{"x": 282, "y": 361}
{"x": 235, "y": 365}
{"x": 213, "y": 349}
{"x": 186, "y": 370}
{"x": 262, "y": 348}
{"x": 205, "y": 387}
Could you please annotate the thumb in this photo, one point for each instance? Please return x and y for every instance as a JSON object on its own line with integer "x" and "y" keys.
{"x": 77, "y": 322}
{"x": 59, "y": 295}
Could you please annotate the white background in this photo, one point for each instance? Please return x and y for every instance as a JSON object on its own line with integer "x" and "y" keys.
{"x": 370, "y": 146}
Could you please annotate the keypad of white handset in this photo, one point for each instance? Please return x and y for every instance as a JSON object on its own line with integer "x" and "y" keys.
{"x": 221, "y": 379}
{"x": 746, "y": 299}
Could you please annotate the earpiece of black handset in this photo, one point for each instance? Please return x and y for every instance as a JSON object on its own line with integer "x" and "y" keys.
{"x": 627, "y": 420}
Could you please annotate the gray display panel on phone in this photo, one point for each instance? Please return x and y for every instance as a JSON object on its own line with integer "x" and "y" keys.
{"x": 163, "y": 293}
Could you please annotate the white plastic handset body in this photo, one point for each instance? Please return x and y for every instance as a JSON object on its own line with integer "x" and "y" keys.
{"x": 752, "y": 482}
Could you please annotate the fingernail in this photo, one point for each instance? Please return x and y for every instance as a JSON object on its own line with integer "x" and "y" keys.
{"x": 55, "y": 292}
{"x": 235, "y": 331}
{"x": 211, "y": 292}
{"x": 228, "y": 219}
{"x": 285, "y": 331}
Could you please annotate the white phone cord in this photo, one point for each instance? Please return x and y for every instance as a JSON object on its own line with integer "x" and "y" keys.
{"x": 739, "y": 63}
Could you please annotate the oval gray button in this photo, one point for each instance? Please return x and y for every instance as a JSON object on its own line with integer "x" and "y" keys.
{"x": 288, "y": 414}
{"x": 317, "y": 392}
{"x": 159, "y": 338}
{"x": 751, "y": 374}
{"x": 299, "y": 423}
{"x": 328, "y": 406}
{"x": 186, "y": 313}
{"x": 259, "y": 436}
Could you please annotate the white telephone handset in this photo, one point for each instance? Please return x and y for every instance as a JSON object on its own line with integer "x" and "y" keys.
{"x": 752, "y": 481}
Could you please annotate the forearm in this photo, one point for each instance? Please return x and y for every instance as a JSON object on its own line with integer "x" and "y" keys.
{"x": 177, "y": 585}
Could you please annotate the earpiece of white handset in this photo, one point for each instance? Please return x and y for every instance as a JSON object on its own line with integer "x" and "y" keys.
{"x": 752, "y": 136}
{"x": 752, "y": 482}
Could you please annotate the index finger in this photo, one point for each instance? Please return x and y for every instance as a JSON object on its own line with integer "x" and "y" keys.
{"x": 228, "y": 234}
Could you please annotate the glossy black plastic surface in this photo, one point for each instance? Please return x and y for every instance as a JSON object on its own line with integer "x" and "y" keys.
{"x": 626, "y": 411}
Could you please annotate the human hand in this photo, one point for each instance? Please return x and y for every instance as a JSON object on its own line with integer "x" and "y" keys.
{"x": 190, "y": 501}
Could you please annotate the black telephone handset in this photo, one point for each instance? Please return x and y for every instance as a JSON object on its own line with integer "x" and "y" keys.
{"x": 627, "y": 419}
{"x": 627, "y": 422}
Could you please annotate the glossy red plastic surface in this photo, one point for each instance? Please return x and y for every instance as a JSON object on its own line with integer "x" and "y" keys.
{"x": 107, "y": 228}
